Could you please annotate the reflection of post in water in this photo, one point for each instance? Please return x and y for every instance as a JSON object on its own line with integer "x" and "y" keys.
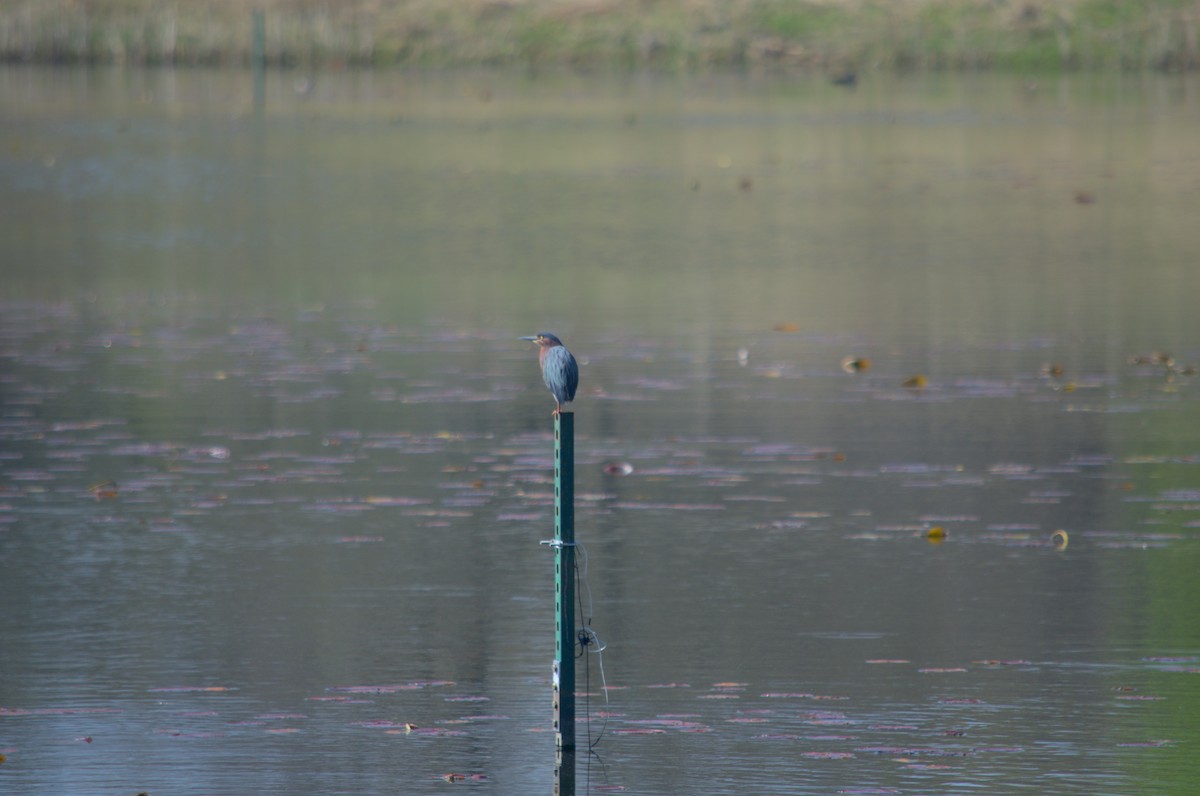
{"x": 258, "y": 58}
{"x": 564, "y": 773}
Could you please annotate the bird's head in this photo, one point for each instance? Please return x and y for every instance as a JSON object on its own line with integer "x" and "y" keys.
{"x": 544, "y": 340}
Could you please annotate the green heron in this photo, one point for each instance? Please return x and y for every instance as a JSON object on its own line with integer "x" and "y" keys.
{"x": 559, "y": 369}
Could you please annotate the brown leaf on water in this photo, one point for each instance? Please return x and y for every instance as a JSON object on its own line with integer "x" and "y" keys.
{"x": 1152, "y": 358}
{"x": 787, "y": 327}
{"x": 105, "y": 490}
{"x": 917, "y": 382}
{"x": 854, "y": 364}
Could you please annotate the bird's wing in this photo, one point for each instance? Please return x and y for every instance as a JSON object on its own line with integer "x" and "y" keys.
{"x": 561, "y": 373}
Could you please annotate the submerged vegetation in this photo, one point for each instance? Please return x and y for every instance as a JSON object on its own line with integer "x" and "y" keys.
{"x": 842, "y": 35}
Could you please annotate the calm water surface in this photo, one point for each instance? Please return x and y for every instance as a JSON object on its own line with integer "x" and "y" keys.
{"x": 274, "y": 468}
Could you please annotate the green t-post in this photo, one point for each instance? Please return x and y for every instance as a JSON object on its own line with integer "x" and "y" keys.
{"x": 564, "y": 580}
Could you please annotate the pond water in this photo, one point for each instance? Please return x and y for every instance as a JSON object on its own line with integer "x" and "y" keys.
{"x": 274, "y": 466}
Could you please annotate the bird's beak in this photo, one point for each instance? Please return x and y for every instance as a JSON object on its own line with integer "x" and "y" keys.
{"x": 530, "y": 338}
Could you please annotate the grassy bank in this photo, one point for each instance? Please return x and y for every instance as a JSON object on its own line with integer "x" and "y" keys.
{"x": 666, "y": 34}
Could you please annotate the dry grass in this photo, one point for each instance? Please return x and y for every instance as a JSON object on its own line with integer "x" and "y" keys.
{"x": 671, "y": 34}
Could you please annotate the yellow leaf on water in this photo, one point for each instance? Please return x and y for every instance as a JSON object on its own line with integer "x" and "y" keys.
{"x": 855, "y": 364}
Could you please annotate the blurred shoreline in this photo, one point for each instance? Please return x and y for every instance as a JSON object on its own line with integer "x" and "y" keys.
{"x": 837, "y": 36}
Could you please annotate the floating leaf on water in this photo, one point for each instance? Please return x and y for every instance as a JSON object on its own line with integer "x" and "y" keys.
{"x": 1054, "y": 369}
{"x": 618, "y": 468}
{"x": 1152, "y": 358}
{"x": 1059, "y": 539}
{"x": 936, "y": 534}
{"x": 853, "y": 364}
{"x": 105, "y": 490}
{"x": 916, "y": 382}
{"x": 786, "y": 327}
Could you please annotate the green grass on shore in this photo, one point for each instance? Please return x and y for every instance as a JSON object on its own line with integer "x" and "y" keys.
{"x": 664, "y": 34}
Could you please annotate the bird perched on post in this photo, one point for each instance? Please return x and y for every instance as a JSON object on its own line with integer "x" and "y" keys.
{"x": 559, "y": 369}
